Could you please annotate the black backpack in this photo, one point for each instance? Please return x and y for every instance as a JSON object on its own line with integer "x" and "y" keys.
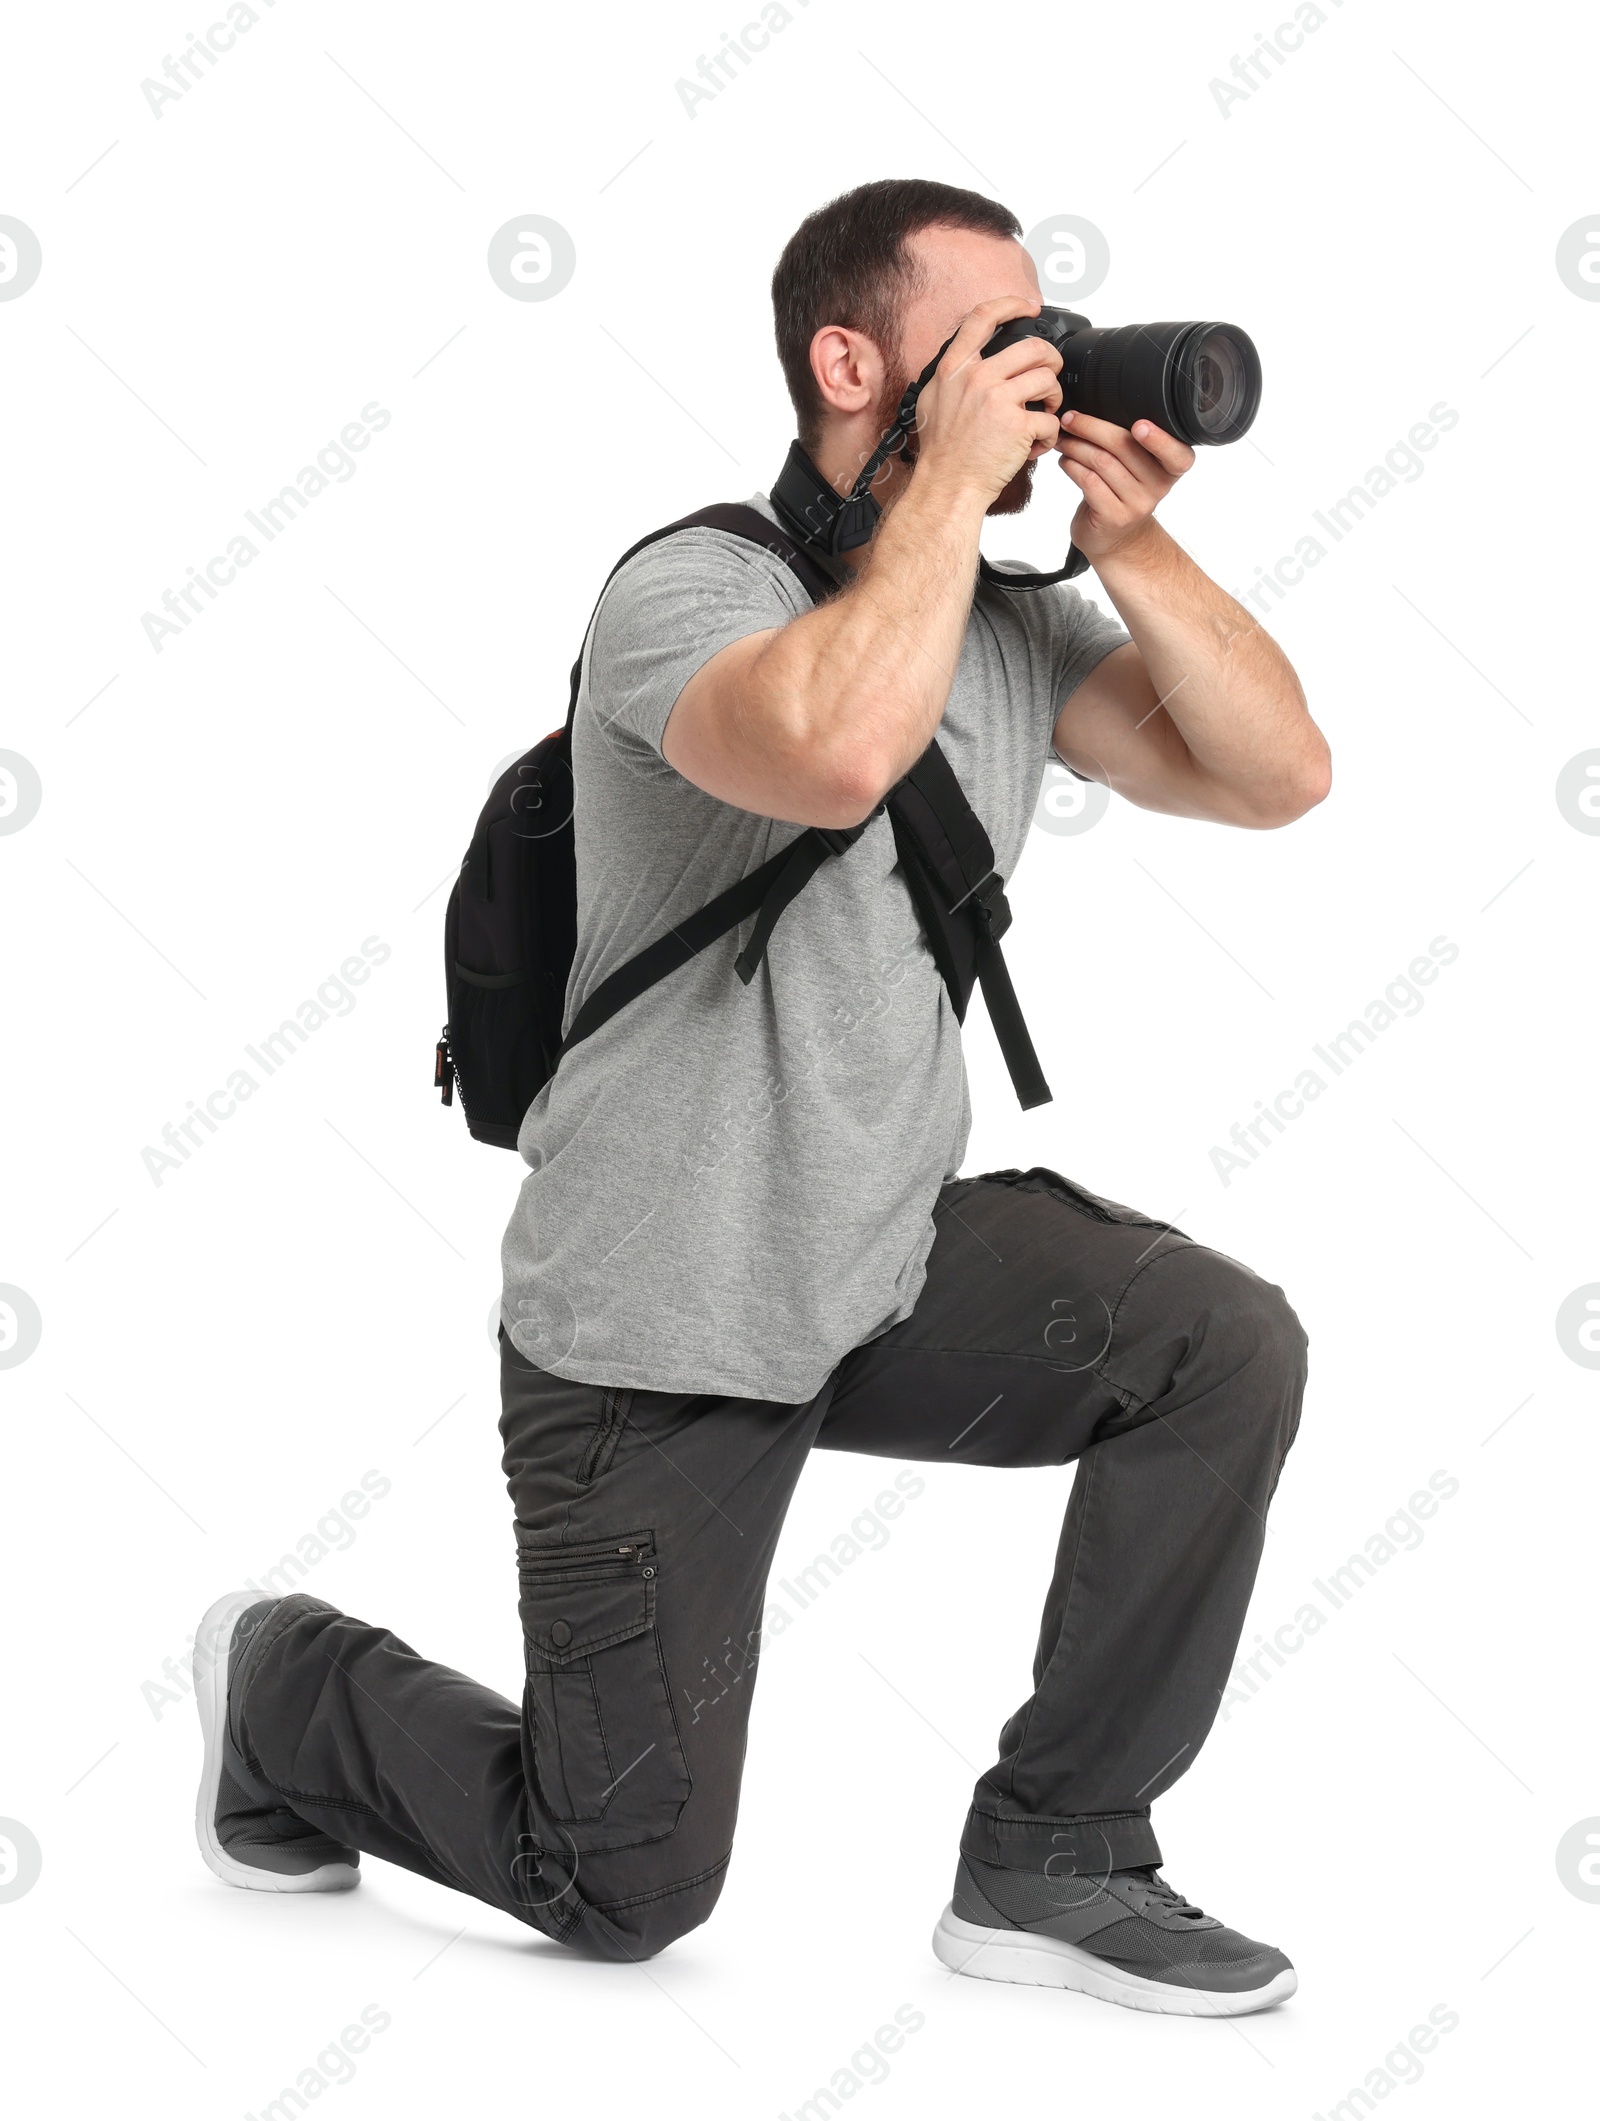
{"x": 511, "y": 926}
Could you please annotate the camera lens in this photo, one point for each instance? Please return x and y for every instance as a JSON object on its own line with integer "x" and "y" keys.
{"x": 1200, "y": 382}
{"x": 1218, "y": 377}
{"x": 1209, "y": 385}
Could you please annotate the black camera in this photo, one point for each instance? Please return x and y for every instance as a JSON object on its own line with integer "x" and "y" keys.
{"x": 1200, "y": 382}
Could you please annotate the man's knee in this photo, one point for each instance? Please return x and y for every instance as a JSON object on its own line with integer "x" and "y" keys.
{"x": 1198, "y": 1319}
{"x": 1261, "y": 1323}
{"x": 1234, "y": 1319}
{"x": 638, "y": 1928}
{"x": 1255, "y": 1347}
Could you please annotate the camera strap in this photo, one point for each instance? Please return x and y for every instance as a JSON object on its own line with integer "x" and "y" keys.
{"x": 811, "y": 508}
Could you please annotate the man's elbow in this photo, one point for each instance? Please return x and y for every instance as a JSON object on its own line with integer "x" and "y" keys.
{"x": 1296, "y": 793}
{"x": 1312, "y": 784}
{"x": 840, "y": 784}
{"x": 849, "y": 789}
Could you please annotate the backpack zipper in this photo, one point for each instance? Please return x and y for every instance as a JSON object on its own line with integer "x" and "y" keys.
{"x": 444, "y": 1072}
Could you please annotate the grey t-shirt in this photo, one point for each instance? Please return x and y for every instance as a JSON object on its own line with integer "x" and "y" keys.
{"x": 733, "y": 1186}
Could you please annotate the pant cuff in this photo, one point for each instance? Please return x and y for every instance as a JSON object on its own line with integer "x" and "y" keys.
{"x": 1084, "y": 1846}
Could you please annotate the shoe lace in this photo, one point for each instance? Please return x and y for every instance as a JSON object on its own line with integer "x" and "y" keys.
{"x": 1153, "y": 1890}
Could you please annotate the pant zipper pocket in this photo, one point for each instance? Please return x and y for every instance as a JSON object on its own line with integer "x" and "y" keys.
{"x": 631, "y": 1549}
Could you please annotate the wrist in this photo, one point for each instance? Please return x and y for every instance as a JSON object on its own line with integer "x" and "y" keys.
{"x": 948, "y": 493}
{"x": 1144, "y": 553}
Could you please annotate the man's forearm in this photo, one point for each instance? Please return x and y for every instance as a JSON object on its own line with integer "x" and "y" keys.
{"x": 1226, "y": 685}
{"x": 866, "y": 676}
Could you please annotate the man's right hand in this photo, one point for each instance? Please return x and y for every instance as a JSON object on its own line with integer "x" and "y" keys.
{"x": 974, "y": 429}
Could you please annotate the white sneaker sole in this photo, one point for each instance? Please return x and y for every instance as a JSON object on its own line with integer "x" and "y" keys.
{"x": 1045, "y": 1962}
{"x": 210, "y": 1666}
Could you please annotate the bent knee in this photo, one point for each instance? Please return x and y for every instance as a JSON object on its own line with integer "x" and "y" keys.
{"x": 1224, "y": 1315}
{"x": 1267, "y": 1322}
{"x": 639, "y": 1928}
{"x": 1253, "y": 1320}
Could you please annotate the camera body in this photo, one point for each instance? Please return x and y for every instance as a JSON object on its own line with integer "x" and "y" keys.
{"x": 1198, "y": 381}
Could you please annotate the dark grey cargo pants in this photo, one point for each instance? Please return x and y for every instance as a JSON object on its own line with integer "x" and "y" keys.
{"x": 1054, "y": 1325}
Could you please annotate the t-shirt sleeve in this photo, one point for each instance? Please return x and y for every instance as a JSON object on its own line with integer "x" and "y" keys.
{"x": 1086, "y": 637}
{"x": 668, "y": 612}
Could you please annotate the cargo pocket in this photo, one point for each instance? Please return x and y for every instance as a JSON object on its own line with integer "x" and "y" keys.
{"x": 606, "y": 1751}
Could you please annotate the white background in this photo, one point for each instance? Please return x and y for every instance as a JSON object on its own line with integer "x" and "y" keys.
{"x": 306, "y": 1298}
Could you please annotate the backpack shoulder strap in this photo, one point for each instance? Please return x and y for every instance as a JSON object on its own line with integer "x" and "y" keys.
{"x": 948, "y": 862}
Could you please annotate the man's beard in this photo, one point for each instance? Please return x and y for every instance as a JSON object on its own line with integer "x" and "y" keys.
{"x": 1012, "y": 498}
{"x": 1016, "y": 493}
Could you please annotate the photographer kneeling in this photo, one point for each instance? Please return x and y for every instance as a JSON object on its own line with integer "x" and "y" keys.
{"x": 742, "y": 1234}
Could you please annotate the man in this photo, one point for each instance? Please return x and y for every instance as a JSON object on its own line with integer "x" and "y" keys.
{"x": 742, "y": 1233}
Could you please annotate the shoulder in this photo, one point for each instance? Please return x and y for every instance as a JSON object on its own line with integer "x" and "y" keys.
{"x": 700, "y": 567}
{"x": 666, "y": 613}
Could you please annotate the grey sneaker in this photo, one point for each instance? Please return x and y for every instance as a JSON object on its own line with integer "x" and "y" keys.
{"x": 247, "y": 1835}
{"x": 1128, "y": 1938}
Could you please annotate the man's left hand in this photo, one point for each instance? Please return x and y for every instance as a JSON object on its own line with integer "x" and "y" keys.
{"x": 1122, "y": 474}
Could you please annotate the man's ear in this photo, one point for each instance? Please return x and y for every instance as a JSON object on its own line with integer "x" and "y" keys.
{"x": 848, "y": 369}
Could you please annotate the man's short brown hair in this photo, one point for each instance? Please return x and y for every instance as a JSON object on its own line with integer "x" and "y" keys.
{"x": 848, "y": 264}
